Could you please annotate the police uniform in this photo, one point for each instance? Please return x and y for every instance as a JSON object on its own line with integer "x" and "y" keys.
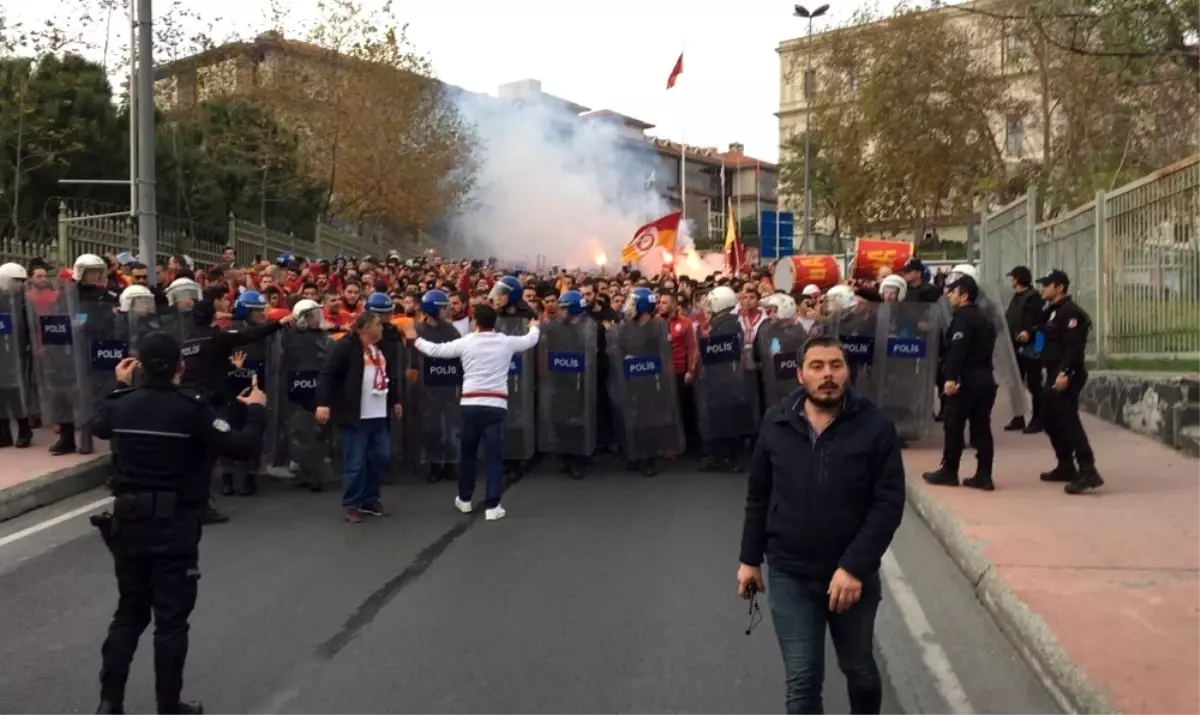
{"x": 1066, "y": 332}
{"x": 1023, "y": 315}
{"x": 971, "y": 339}
{"x": 161, "y": 438}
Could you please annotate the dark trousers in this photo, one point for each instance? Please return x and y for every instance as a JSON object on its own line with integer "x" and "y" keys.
{"x": 1060, "y": 417}
{"x": 366, "y": 452}
{"x": 687, "y": 412}
{"x": 1031, "y": 373}
{"x": 970, "y": 408}
{"x": 157, "y": 572}
{"x": 482, "y": 424}
{"x": 800, "y": 612}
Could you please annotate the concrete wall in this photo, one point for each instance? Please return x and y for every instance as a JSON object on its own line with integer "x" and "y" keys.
{"x": 1165, "y": 407}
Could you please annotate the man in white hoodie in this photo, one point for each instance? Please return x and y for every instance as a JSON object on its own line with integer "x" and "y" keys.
{"x": 486, "y": 356}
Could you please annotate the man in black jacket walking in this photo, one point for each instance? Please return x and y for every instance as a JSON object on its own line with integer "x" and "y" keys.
{"x": 826, "y": 495}
{"x": 1024, "y": 316}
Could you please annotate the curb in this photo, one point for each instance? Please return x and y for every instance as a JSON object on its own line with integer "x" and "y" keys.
{"x": 1066, "y": 682}
{"x": 53, "y": 486}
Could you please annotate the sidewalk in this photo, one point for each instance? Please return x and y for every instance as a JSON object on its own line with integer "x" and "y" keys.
{"x": 30, "y": 478}
{"x": 1101, "y": 592}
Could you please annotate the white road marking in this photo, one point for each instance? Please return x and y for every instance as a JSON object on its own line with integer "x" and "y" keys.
{"x": 55, "y": 521}
{"x": 932, "y": 655}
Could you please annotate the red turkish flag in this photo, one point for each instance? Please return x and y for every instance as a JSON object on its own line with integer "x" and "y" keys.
{"x": 675, "y": 72}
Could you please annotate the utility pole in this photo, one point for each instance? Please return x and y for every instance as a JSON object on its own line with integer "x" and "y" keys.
{"x": 146, "y": 205}
{"x": 802, "y": 11}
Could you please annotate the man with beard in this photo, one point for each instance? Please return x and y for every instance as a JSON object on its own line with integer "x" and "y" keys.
{"x": 825, "y": 498}
{"x": 458, "y": 312}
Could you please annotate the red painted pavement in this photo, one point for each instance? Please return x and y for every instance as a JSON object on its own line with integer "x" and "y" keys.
{"x": 22, "y": 465}
{"x": 1115, "y": 574}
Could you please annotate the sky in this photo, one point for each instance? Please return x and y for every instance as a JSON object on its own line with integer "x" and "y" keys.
{"x": 613, "y": 55}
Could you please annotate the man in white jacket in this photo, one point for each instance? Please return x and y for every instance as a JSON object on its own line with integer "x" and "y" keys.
{"x": 486, "y": 356}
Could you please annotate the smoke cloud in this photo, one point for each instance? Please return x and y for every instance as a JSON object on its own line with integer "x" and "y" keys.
{"x": 553, "y": 188}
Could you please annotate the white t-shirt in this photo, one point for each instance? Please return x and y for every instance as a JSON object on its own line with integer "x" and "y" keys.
{"x": 372, "y": 405}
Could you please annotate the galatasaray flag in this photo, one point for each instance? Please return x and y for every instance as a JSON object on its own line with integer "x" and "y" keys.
{"x": 735, "y": 254}
{"x": 675, "y": 72}
{"x": 660, "y": 234}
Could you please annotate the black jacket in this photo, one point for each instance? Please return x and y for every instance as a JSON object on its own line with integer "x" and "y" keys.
{"x": 813, "y": 507}
{"x": 206, "y": 357}
{"x": 339, "y": 386}
{"x": 1024, "y": 313}
{"x": 162, "y": 436}
{"x": 972, "y": 339}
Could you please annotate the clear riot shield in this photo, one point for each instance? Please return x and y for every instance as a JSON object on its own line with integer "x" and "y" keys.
{"x": 905, "y": 365}
{"x": 106, "y": 336}
{"x": 725, "y": 408}
{"x": 1004, "y": 359}
{"x": 567, "y": 384}
{"x": 304, "y": 443}
{"x": 434, "y": 422}
{"x": 60, "y": 353}
{"x": 132, "y": 326}
{"x": 14, "y": 356}
{"x": 779, "y": 346}
{"x": 396, "y": 356}
{"x": 648, "y": 412}
{"x": 520, "y": 436}
{"x": 257, "y": 365}
{"x": 857, "y": 330}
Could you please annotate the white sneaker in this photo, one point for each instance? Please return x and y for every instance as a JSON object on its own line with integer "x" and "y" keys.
{"x": 496, "y": 512}
{"x": 463, "y": 506}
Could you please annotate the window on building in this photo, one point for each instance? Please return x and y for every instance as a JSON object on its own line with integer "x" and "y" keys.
{"x": 810, "y": 84}
{"x": 1014, "y": 135}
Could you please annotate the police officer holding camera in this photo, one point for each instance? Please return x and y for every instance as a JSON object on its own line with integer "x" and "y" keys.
{"x": 161, "y": 438}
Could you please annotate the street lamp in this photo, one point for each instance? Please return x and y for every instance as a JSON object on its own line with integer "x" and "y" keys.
{"x": 802, "y": 11}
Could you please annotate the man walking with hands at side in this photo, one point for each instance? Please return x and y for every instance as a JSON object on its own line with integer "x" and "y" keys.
{"x": 825, "y": 497}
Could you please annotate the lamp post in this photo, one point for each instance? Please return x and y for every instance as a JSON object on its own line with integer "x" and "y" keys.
{"x": 802, "y": 11}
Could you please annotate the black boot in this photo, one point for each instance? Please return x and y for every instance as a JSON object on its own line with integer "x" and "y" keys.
{"x": 982, "y": 480}
{"x": 226, "y": 484}
{"x": 1087, "y": 480}
{"x": 110, "y": 708}
{"x": 649, "y": 469}
{"x": 1064, "y": 472}
{"x": 1035, "y": 426}
{"x": 249, "y": 485}
{"x": 66, "y": 440}
{"x": 212, "y": 516}
{"x": 24, "y": 433}
{"x": 6, "y": 439}
{"x": 943, "y": 476}
{"x": 1016, "y": 424}
{"x": 182, "y": 708}
{"x": 575, "y": 468}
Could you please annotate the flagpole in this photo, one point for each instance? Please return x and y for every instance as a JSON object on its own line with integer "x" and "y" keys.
{"x": 683, "y": 140}
{"x": 758, "y": 203}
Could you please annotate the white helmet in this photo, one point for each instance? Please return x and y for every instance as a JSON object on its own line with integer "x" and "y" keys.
{"x": 721, "y": 298}
{"x": 183, "y": 289}
{"x": 88, "y": 262}
{"x": 841, "y": 297}
{"x": 962, "y": 269}
{"x": 301, "y": 310}
{"x": 784, "y": 304}
{"x": 13, "y": 272}
{"x": 135, "y": 293}
{"x": 893, "y": 284}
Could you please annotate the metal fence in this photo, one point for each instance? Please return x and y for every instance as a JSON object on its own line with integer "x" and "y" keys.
{"x": 99, "y": 229}
{"x": 1133, "y": 255}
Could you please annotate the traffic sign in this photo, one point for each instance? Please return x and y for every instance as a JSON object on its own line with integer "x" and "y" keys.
{"x": 767, "y": 235}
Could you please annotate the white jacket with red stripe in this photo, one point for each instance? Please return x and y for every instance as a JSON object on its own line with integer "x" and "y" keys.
{"x": 485, "y": 359}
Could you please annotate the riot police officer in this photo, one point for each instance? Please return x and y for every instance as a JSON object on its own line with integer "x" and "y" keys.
{"x": 970, "y": 387}
{"x": 1066, "y": 331}
{"x": 161, "y": 437}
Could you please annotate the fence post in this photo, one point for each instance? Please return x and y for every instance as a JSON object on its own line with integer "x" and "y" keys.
{"x": 233, "y": 233}
{"x": 63, "y": 234}
{"x": 317, "y": 240}
{"x": 1031, "y": 221}
{"x": 1101, "y": 317}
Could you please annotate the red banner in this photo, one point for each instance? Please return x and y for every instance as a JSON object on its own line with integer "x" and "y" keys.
{"x": 871, "y": 254}
{"x": 794, "y": 273}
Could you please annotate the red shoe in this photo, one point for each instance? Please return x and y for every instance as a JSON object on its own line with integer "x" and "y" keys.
{"x": 354, "y": 516}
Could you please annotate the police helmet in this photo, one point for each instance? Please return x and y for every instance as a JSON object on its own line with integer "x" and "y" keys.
{"x": 284, "y": 259}
{"x": 183, "y": 289}
{"x": 508, "y": 285}
{"x": 380, "y": 303}
{"x": 785, "y": 305}
{"x": 301, "y": 310}
{"x": 248, "y": 301}
{"x": 132, "y": 294}
{"x": 962, "y": 269}
{"x": 433, "y": 302}
{"x": 573, "y": 302}
{"x": 841, "y": 297}
{"x": 87, "y": 262}
{"x": 643, "y": 301}
{"x": 893, "y": 284}
{"x": 13, "y": 272}
{"x": 721, "y": 298}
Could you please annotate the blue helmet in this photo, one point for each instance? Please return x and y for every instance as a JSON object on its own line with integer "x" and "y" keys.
{"x": 380, "y": 303}
{"x": 644, "y": 301}
{"x": 433, "y": 301}
{"x": 508, "y": 285}
{"x": 246, "y": 302}
{"x": 573, "y": 302}
{"x": 284, "y": 259}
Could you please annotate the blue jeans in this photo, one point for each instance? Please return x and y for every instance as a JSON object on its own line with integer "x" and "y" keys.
{"x": 800, "y": 612}
{"x": 366, "y": 452}
{"x": 486, "y": 424}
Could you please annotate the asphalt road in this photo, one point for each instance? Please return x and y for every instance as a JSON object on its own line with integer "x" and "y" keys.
{"x": 615, "y": 594}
